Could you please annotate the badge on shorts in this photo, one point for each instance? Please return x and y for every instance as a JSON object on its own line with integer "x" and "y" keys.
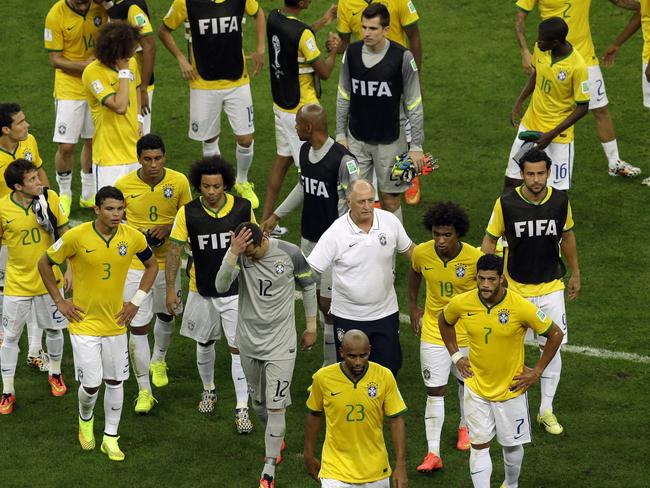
{"x": 279, "y": 267}
{"x": 168, "y": 191}
{"x": 561, "y": 76}
{"x": 504, "y": 316}
{"x": 195, "y": 126}
{"x": 382, "y": 239}
{"x": 426, "y": 373}
{"x": 191, "y": 324}
{"x": 122, "y": 248}
{"x": 61, "y": 129}
{"x": 372, "y": 390}
{"x": 460, "y": 270}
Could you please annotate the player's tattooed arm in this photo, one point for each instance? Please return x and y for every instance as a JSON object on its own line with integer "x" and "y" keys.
{"x": 627, "y": 4}
{"x": 172, "y": 262}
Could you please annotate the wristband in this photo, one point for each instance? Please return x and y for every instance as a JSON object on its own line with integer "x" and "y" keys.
{"x": 140, "y": 119}
{"x": 455, "y": 357}
{"x": 125, "y": 74}
{"x": 138, "y": 298}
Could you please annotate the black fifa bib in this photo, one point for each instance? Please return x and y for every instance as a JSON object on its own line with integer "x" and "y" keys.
{"x": 320, "y": 187}
{"x": 210, "y": 239}
{"x": 375, "y": 95}
{"x": 217, "y": 38}
{"x": 534, "y": 233}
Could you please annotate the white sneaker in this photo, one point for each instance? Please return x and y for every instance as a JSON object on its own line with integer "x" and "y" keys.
{"x": 279, "y": 231}
{"x": 621, "y": 168}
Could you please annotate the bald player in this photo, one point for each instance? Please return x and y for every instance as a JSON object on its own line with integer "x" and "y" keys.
{"x": 326, "y": 168}
{"x": 361, "y": 394}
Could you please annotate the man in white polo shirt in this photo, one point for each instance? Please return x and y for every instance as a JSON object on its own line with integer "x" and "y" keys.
{"x": 359, "y": 246}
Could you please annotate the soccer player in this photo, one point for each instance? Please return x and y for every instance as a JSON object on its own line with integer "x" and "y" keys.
{"x": 31, "y": 219}
{"x": 205, "y": 224}
{"x": 100, "y": 253}
{"x": 403, "y": 29}
{"x": 379, "y": 79}
{"x": 495, "y": 319}
{"x": 269, "y": 271}
{"x": 537, "y": 222}
{"x": 296, "y": 68}
{"x": 360, "y": 248}
{"x": 136, "y": 13}
{"x": 217, "y": 74}
{"x": 576, "y": 15}
{"x": 326, "y": 169}
{"x": 70, "y": 36}
{"x": 17, "y": 143}
{"x": 111, "y": 84}
{"x": 559, "y": 84}
{"x": 153, "y": 195}
{"x": 361, "y": 395}
{"x": 448, "y": 267}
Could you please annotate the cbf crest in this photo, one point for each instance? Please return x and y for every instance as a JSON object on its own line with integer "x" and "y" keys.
{"x": 372, "y": 390}
{"x": 562, "y": 75}
{"x": 504, "y": 316}
{"x": 461, "y": 270}
{"x": 168, "y": 191}
{"x": 279, "y": 267}
{"x": 97, "y": 20}
{"x": 382, "y": 239}
{"x": 122, "y": 248}
{"x": 28, "y": 156}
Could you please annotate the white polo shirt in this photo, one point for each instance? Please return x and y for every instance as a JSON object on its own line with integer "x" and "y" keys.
{"x": 362, "y": 265}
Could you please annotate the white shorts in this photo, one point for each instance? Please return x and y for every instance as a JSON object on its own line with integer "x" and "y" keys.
{"x": 146, "y": 123}
{"x": 108, "y": 175}
{"x": 645, "y": 86}
{"x": 269, "y": 382}
{"x": 100, "y": 357}
{"x": 156, "y": 300}
{"x": 204, "y": 318}
{"x": 437, "y": 364}
{"x": 287, "y": 142}
{"x": 16, "y": 310}
{"x": 73, "y": 121}
{"x": 553, "y": 306}
{"x": 562, "y": 162}
{"x": 3, "y": 264}
{"x": 597, "y": 92}
{"x": 330, "y": 483}
{"x": 324, "y": 284}
{"x": 205, "y": 112}
{"x": 509, "y": 420}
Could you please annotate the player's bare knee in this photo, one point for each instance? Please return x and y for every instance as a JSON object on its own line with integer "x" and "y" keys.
{"x": 245, "y": 141}
{"x": 437, "y": 391}
{"x": 66, "y": 149}
{"x": 601, "y": 113}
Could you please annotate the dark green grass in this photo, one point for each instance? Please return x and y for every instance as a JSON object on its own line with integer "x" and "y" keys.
{"x": 471, "y": 78}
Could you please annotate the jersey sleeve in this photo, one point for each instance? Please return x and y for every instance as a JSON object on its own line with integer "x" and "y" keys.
{"x": 323, "y": 253}
{"x": 139, "y": 242}
{"x": 452, "y": 311}
{"x": 176, "y": 15}
{"x": 302, "y": 272}
{"x": 62, "y": 249}
{"x": 581, "y": 84}
{"x": 416, "y": 257}
{"x": 252, "y": 7}
{"x": 37, "y": 159}
{"x": 408, "y": 14}
{"x": 496, "y": 226}
{"x": 185, "y": 194}
{"x": 535, "y": 318}
{"x": 179, "y": 229}
{"x": 138, "y": 18}
{"x": 52, "y": 34}
{"x": 526, "y": 5}
{"x": 348, "y": 171}
{"x": 403, "y": 240}
{"x": 393, "y": 403}
{"x": 568, "y": 223}
{"x": 97, "y": 83}
{"x": 315, "y": 400}
{"x": 343, "y": 18}
{"x": 307, "y": 47}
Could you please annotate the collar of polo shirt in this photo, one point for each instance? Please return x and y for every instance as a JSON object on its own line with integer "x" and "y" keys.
{"x": 359, "y": 230}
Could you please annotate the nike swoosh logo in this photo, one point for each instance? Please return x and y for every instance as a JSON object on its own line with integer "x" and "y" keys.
{"x": 242, "y": 378}
{"x": 427, "y": 269}
{"x": 10, "y": 221}
{"x": 334, "y": 394}
{"x": 518, "y": 436}
{"x": 70, "y": 28}
{"x": 116, "y": 409}
{"x": 90, "y": 250}
{"x": 470, "y": 314}
{"x": 135, "y": 196}
{"x": 276, "y": 436}
{"x": 356, "y": 13}
{"x": 557, "y": 181}
{"x": 476, "y": 472}
{"x": 353, "y": 244}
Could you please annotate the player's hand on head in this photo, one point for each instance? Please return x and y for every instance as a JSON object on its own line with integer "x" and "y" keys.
{"x": 71, "y": 311}
{"x": 308, "y": 340}
{"x": 122, "y": 63}
{"x": 239, "y": 242}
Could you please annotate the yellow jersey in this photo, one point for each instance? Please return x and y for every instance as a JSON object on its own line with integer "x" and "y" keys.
{"x": 560, "y": 85}
{"x": 308, "y": 52}
{"x": 99, "y": 269}
{"x": 496, "y": 228}
{"x": 402, "y": 14}
{"x": 177, "y": 16}
{"x": 443, "y": 279}
{"x": 576, "y": 14}
{"x": 645, "y": 28}
{"x": 496, "y": 339}
{"x": 179, "y": 230}
{"x": 354, "y": 450}
{"x": 115, "y": 135}
{"x": 27, "y": 149}
{"x": 150, "y": 206}
{"x": 74, "y": 35}
{"x": 26, "y": 242}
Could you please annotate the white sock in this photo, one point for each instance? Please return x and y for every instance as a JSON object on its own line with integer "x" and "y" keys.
{"x": 398, "y": 213}
{"x": 162, "y": 337}
{"x": 211, "y": 148}
{"x": 329, "y": 346}
{"x": 461, "y": 403}
{"x": 205, "y": 357}
{"x": 9, "y": 358}
{"x": 611, "y": 151}
{"x": 513, "y": 456}
{"x": 434, "y": 417}
{"x": 480, "y": 467}
{"x": 549, "y": 381}
{"x": 239, "y": 380}
{"x": 273, "y": 437}
{"x": 140, "y": 358}
{"x": 244, "y": 157}
{"x": 64, "y": 182}
{"x": 34, "y": 335}
{"x": 86, "y": 403}
{"x": 113, "y": 400}
{"x": 87, "y": 185}
{"x": 54, "y": 341}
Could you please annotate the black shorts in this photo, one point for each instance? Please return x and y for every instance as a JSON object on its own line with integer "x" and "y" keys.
{"x": 384, "y": 339}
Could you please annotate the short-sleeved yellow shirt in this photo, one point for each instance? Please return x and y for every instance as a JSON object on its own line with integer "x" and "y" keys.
{"x": 27, "y": 149}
